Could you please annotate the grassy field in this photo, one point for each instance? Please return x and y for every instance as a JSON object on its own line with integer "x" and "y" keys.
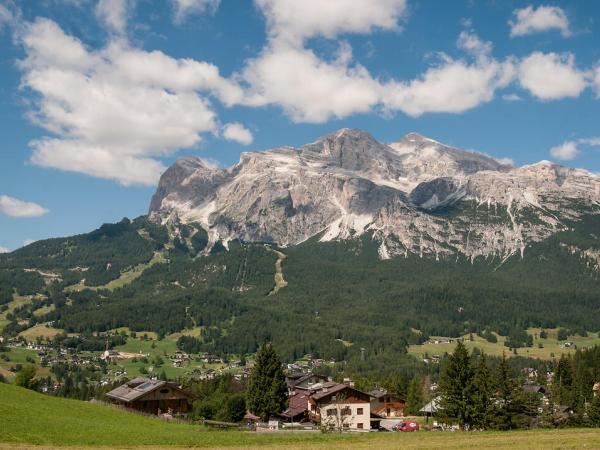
{"x": 550, "y": 349}
{"x": 28, "y": 418}
{"x": 14, "y": 304}
{"x": 39, "y": 330}
{"x": 125, "y": 277}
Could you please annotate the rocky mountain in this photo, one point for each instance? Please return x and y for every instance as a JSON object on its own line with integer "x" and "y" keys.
{"x": 414, "y": 196}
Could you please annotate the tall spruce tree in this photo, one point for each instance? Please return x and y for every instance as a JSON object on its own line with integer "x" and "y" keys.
{"x": 267, "y": 389}
{"x": 593, "y": 412}
{"x": 481, "y": 392}
{"x": 454, "y": 387}
{"x": 415, "y": 396}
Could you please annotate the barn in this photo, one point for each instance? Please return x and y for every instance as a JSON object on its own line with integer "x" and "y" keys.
{"x": 152, "y": 397}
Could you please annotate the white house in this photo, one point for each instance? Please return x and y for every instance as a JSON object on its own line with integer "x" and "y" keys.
{"x": 340, "y": 407}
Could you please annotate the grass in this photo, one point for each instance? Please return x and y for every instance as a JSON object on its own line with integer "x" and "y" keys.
{"x": 125, "y": 277}
{"x": 29, "y": 418}
{"x": 153, "y": 348}
{"x": 39, "y": 330}
{"x": 551, "y": 346}
{"x": 14, "y": 304}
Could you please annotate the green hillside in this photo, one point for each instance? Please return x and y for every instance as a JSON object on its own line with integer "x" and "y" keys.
{"x": 334, "y": 300}
{"x": 29, "y": 418}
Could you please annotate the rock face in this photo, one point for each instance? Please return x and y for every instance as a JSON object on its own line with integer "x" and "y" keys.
{"x": 416, "y": 195}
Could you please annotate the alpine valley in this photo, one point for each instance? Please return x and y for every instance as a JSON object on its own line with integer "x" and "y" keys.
{"x": 345, "y": 248}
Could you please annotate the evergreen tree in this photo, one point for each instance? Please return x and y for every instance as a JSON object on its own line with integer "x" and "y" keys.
{"x": 454, "y": 386}
{"x": 267, "y": 389}
{"x": 593, "y": 412}
{"x": 481, "y": 392}
{"x": 415, "y": 396}
{"x": 26, "y": 377}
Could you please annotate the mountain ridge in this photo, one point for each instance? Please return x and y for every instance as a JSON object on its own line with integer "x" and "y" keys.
{"x": 347, "y": 183}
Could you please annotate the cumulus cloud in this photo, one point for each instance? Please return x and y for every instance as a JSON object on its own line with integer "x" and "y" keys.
{"x": 292, "y": 21}
{"x": 596, "y": 81}
{"x": 113, "y": 110}
{"x": 14, "y": 207}
{"x": 532, "y": 20}
{"x": 453, "y": 86}
{"x": 565, "y": 151}
{"x": 551, "y": 76}
{"x": 113, "y": 14}
{"x": 311, "y": 89}
{"x": 28, "y": 241}
{"x": 4, "y": 250}
{"x": 237, "y": 132}
{"x": 511, "y": 98}
{"x": 569, "y": 150}
{"x": 183, "y": 8}
{"x": 308, "y": 88}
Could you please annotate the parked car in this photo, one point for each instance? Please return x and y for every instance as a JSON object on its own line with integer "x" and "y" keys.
{"x": 408, "y": 426}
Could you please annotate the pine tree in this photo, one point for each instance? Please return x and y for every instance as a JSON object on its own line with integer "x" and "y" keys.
{"x": 593, "y": 412}
{"x": 415, "y": 396}
{"x": 267, "y": 389}
{"x": 455, "y": 401}
{"x": 481, "y": 392}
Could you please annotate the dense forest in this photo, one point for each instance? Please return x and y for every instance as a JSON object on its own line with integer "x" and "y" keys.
{"x": 341, "y": 301}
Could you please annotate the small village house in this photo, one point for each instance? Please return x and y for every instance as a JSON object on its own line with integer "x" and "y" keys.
{"x": 340, "y": 407}
{"x": 152, "y": 397}
{"x": 386, "y": 404}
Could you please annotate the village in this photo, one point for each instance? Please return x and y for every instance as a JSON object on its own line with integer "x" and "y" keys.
{"x": 138, "y": 382}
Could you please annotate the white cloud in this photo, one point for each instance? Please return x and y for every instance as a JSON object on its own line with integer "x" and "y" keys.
{"x": 511, "y": 98}
{"x": 551, "y": 76}
{"x": 28, "y": 241}
{"x": 184, "y": 8}
{"x": 532, "y": 20}
{"x": 596, "y": 81}
{"x": 14, "y": 207}
{"x": 311, "y": 89}
{"x": 113, "y": 14}
{"x": 292, "y": 21}
{"x": 237, "y": 132}
{"x": 566, "y": 151}
{"x": 453, "y": 86}
{"x": 5, "y": 16}
{"x": 308, "y": 88}
{"x": 4, "y": 250}
{"x": 569, "y": 150}
{"x": 114, "y": 110}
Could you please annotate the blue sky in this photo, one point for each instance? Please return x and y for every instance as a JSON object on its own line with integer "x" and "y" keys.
{"x": 97, "y": 98}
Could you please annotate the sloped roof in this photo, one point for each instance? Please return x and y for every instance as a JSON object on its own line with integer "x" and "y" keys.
{"x": 432, "y": 407}
{"x": 139, "y": 387}
{"x": 298, "y": 404}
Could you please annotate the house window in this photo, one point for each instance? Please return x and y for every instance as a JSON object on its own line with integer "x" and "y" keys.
{"x": 346, "y": 425}
{"x": 346, "y": 412}
{"x": 164, "y": 391}
{"x": 359, "y": 411}
{"x": 359, "y": 426}
{"x": 331, "y": 412}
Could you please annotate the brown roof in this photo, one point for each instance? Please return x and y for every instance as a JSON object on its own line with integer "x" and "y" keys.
{"x": 298, "y": 404}
{"x": 139, "y": 387}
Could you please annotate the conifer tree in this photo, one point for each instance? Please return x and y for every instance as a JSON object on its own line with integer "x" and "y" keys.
{"x": 415, "y": 396}
{"x": 455, "y": 401}
{"x": 267, "y": 389}
{"x": 481, "y": 392}
{"x": 593, "y": 412}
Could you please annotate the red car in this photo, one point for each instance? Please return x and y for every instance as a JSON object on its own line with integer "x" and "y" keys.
{"x": 408, "y": 426}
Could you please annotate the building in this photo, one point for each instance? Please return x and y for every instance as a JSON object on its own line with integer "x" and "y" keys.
{"x": 386, "y": 404}
{"x": 303, "y": 381}
{"x": 340, "y": 407}
{"x": 431, "y": 408}
{"x": 152, "y": 397}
